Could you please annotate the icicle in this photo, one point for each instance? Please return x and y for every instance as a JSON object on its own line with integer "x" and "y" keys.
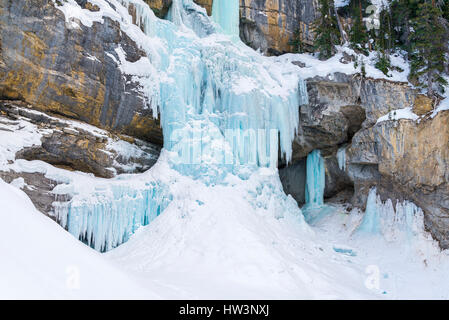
{"x": 341, "y": 158}
{"x": 223, "y": 109}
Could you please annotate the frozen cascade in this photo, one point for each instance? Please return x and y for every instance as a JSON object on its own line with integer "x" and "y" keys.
{"x": 224, "y": 109}
{"x": 402, "y": 221}
{"x": 315, "y": 208}
{"x": 221, "y": 103}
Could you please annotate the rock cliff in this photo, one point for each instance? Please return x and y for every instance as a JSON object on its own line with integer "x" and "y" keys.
{"x": 66, "y": 68}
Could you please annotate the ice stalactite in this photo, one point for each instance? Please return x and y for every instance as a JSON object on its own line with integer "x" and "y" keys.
{"x": 371, "y": 220}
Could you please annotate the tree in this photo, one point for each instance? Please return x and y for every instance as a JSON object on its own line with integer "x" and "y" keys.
{"x": 327, "y": 31}
{"x": 358, "y": 35}
{"x": 402, "y": 12}
{"x": 296, "y": 41}
{"x": 429, "y": 48}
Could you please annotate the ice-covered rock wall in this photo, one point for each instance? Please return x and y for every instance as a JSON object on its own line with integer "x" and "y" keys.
{"x": 224, "y": 109}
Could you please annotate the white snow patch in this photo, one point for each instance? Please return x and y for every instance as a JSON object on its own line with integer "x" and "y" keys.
{"x": 395, "y": 115}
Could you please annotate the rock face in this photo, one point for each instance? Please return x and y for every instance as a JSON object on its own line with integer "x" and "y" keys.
{"x": 36, "y": 186}
{"x": 207, "y": 4}
{"x": 270, "y": 25}
{"x": 412, "y": 162}
{"x": 405, "y": 159}
{"x": 340, "y": 105}
{"x": 160, "y": 7}
{"x": 76, "y": 146}
{"x": 68, "y": 70}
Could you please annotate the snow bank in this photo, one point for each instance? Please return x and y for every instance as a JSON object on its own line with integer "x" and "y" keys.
{"x": 40, "y": 260}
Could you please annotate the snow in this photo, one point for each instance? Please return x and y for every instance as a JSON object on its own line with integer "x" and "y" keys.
{"x": 315, "y": 67}
{"x": 15, "y": 135}
{"x": 395, "y": 115}
{"x": 443, "y": 106}
{"x": 226, "y": 241}
{"x": 341, "y": 3}
{"x": 42, "y": 261}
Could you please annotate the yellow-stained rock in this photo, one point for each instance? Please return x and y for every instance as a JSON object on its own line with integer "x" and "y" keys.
{"x": 422, "y": 105}
{"x": 68, "y": 71}
{"x": 207, "y": 4}
{"x": 160, "y": 7}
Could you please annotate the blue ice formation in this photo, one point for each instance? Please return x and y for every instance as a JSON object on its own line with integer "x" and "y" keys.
{"x": 403, "y": 221}
{"x": 315, "y": 182}
{"x": 371, "y": 219}
{"x": 226, "y": 14}
{"x": 110, "y": 216}
{"x": 223, "y": 109}
{"x": 341, "y": 158}
{"x": 221, "y": 103}
{"x": 315, "y": 208}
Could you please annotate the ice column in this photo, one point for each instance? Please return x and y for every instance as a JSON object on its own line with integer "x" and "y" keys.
{"x": 371, "y": 220}
{"x": 227, "y": 14}
{"x": 315, "y": 181}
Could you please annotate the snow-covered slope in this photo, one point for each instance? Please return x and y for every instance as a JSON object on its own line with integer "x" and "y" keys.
{"x": 40, "y": 260}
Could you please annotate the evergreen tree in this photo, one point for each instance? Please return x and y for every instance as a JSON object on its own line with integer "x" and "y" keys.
{"x": 429, "y": 47}
{"x": 383, "y": 41}
{"x": 296, "y": 41}
{"x": 358, "y": 35}
{"x": 327, "y": 32}
{"x": 402, "y": 12}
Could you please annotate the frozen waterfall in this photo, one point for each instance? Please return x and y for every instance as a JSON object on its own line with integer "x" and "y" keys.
{"x": 224, "y": 109}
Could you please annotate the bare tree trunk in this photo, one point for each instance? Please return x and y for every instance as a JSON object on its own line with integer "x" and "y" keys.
{"x": 344, "y": 37}
{"x": 429, "y": 84}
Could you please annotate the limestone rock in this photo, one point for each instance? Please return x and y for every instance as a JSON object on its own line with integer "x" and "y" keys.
{"x": 407, "y": 160}
{"x": 422, "y": 105}
{"x": 69, "y": 71}
{"x": 207, "y": 4}
{"x": 74, "y": 146}
{"x": 271, "y": 25}
{"x": 159, "y": 7}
